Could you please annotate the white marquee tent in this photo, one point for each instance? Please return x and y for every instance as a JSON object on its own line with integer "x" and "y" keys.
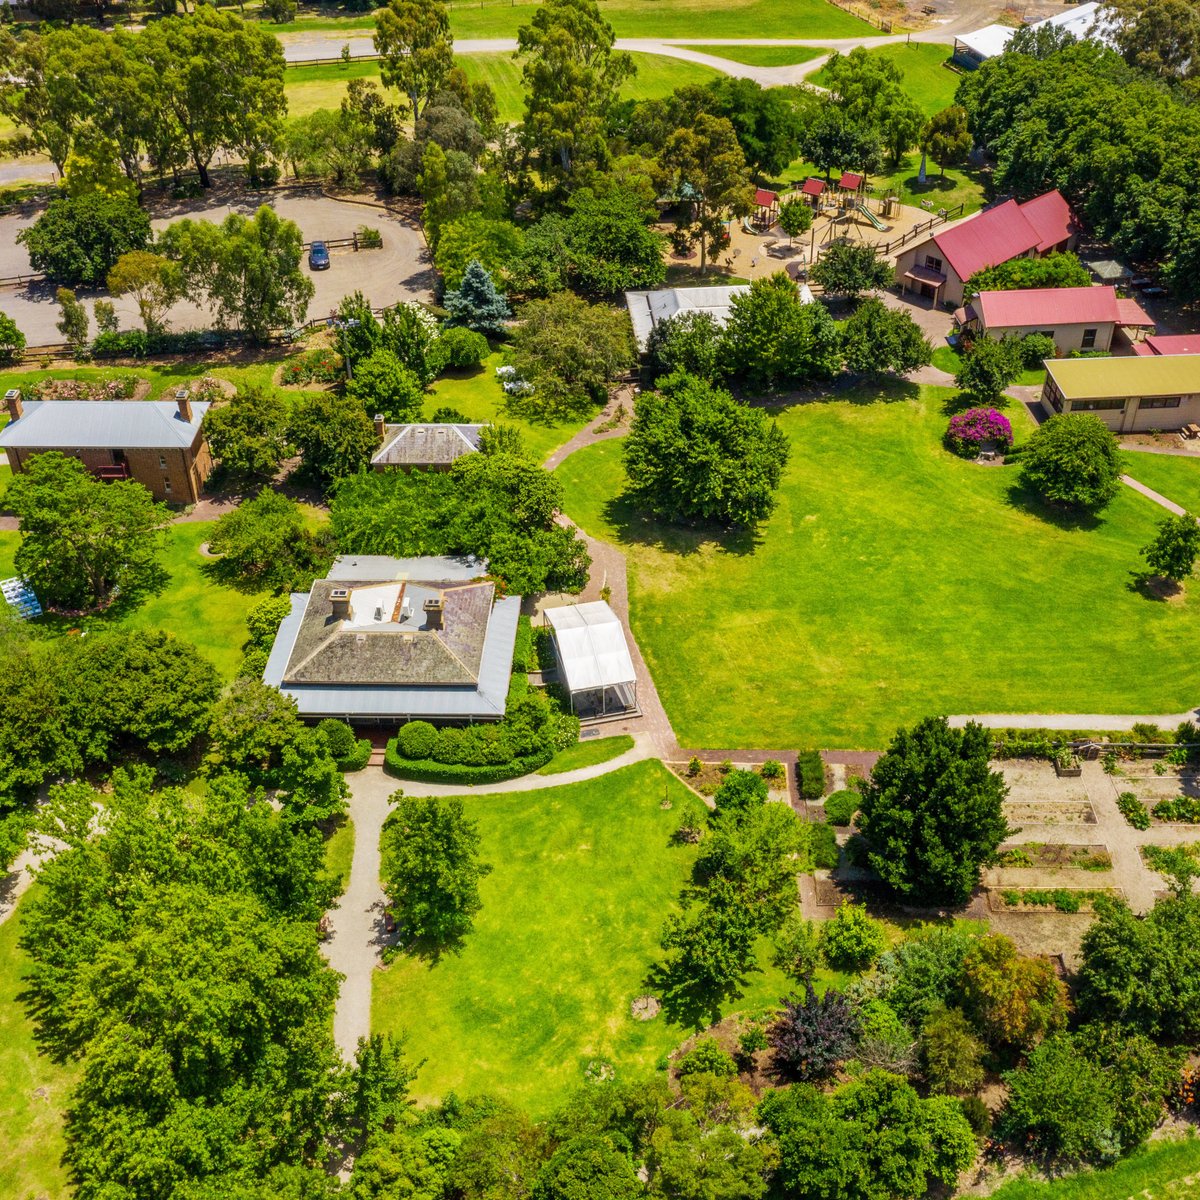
{"x": 593, "y": 658}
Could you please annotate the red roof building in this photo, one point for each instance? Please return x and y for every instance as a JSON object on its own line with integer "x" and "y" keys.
{"x": 1077, "y": 318}
{"x": 997, "y": 235}
{"x": 812, "y": 187}
{"x": 850, "y": 182}
{"x": 1176, "y": 343}
{"x": 765, "y": 199}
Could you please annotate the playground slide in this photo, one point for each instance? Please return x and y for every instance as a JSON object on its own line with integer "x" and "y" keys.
{"x": 866, "y": 212}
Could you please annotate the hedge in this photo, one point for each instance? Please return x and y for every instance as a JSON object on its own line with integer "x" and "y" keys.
{"x": 136, "y": 343}
{"x": 824, "y": 847}
{"x": 841, "y": 806}
{"x": 426, "y": 770}
{"x": 357, "y": 760}
{"x": 810, "y": 774}
{"x": 523, "y": 645}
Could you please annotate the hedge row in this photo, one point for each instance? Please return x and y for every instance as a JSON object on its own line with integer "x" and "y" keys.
{"x": 426, "y": 770}
{"x": 810, "y": 774}
{"x": 357, "y": 760}
{"x": 137, "y": 343}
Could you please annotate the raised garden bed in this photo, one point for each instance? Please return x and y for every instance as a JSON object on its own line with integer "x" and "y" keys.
{"x": 119, "y": 387}
{"x": 709, "y": 775}
{"x": 1043, "y": 900}
{"x": 1055, "y": 855}
{"x": 1050, "y": 812}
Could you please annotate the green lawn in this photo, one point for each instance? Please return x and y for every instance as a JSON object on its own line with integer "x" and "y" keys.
{"x": 764, "y": 56}
{"x": 310, "y": 88}
{"x": 634, "y": 18}
{"x": 587, "y": 754}
{"x": 478, "y": 396}
{"x": 894, "y": 580}
{"x": 1166, "y": 1170}
{"x": 8, "y": 547}
{"x": 32, "y": 1144}
{"x": 926, "y": 77}
{"x": 339, "y": 850}
{"x": 584, "y": 876}
{"x": 947, "y": 359}
{"x": 1170, "y": 475}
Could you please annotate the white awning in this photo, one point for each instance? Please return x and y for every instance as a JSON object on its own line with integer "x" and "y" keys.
{"x": 591, "y": 646}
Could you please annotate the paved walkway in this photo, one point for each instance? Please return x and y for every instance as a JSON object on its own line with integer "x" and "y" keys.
{"x": 1107, "y": 722}
{"x": 1151, "y": 494}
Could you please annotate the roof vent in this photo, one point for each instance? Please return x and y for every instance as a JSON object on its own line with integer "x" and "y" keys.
{"x": 339, "y": 598}
{"x": 433, "y": 612}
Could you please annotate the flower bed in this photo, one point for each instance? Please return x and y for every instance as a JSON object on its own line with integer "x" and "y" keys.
{"x": 969, "y": 432}
{"x": 321, "y": 365}
{"x": 119, "y": 387}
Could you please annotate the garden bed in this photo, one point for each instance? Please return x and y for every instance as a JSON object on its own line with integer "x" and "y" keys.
{"x": 120, "y": 387}
{"x": 708, "y": 778}
{"x": 1050, "y": 812}
{"x": 1041, "y": 900}
{"x": 1055, "y": 855}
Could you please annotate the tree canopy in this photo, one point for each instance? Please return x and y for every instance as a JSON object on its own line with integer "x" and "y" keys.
{"x": 1073, "y": 460}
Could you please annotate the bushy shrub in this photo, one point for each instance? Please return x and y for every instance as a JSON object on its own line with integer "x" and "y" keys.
{"x": 852, "y": 940}
{"x": 810, "y": 774}
{"x": 415, "y": 739}
{"x": 969, "y": 431}
{"x": 812, "y": 1035}
{"x": 137, "y": 343}
{"x": 841, "y": 806}
{"x": 1035, "y": 348}
{"x": 797, "y": 947}
{"x": 1134, "y": 811}
{"x": 708, "y": 1058}
{"x": 339, "y": 737}
{"x": 464, "y": 348}
{"x": 739, "y": 792}
{"x": 978, "y": 1115}
{"x": 772, "y": 769}
{"x": 824, "y": 849}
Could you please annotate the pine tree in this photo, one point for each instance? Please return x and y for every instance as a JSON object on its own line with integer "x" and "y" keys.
{"x": 478, "y": 303}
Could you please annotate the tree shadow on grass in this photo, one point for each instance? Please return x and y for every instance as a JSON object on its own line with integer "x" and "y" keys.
{"x": 636, "y": 526}
{"x": 1070, "y": 519}
{"x": 849, "y": 389}
{"x": 961, "y": 401}
{"x": 686, "y": 1005}
{"x": 1153, "y": 587}
{"x": 69, "y": 621}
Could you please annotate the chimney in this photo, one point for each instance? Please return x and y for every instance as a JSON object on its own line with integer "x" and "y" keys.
{"x": 433, "y": 612}
{"x": 183, "y": 398}
{"x": 380, "y": 426}
{"x": 340, "y": 599}
{"x": 14, "y": 404}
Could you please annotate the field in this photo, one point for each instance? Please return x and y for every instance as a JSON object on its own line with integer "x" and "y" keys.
{"x": 925, "y": 77}
{"x": 947, "y": 359}
{"x": 763, "y": 56}
{"x": 584, "y": 876}
{"x": 1166, "y": 1170}
{"x": 1170, "y": 475}
{"x": 893, "y": 580}
{"x": 310, "y": 88}
{"x": 33, "y": 1091}
{"x": 633, "y": 18}
{"x": 478, "y": 396}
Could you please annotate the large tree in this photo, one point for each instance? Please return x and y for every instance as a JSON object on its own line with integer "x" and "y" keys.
{"x": 932, "y": 812}
{"x": 1073, "y": 460}
{"x": 247, "y": 267}
{"x": 334, "y": 435}
{"x": 83, "y": 541}
{"x": 219, "y": 82}
{"x": 265, "y": 543}
{"x": 154, "y": 282}
{"x": 708, "y": 172}
{"x": 572, "y": 75}
{"x": 878, "y": 339}
{"x": 248, "y": 434}
{"x": 1172, "y": 552}
{"x": 431, "y": 868}
{"x": 695, "y": 453}
{"x": 851, "y": 268}
{"x": 416, "y": 50}
{"x": 78, "y": 241}
{"x": 946, "y": 138}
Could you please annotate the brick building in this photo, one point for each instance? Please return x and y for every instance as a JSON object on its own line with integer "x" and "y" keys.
{"x": 158, "y": 443}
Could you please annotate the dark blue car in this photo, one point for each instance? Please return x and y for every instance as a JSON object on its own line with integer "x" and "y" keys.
{"x": 318, "y": 257}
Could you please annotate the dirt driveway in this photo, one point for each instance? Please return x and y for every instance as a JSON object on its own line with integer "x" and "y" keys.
{"x": 399, "y": 270}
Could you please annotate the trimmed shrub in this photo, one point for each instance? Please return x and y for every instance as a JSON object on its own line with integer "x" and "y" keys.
{"x": 523, "y": 645}
{"x": 350, "y": 753}
{"x": 357, "y": 759}
{"x": 706, "y": 1057}
{"x": 841, "y": 806}
{"x": 810, "y": 774}
{"x": 464, "y": 348}
{"x": 415, "y": 740}
{"x": 825, "y": 853}
{"x": 429, "y": 771}
{"x": 969, "y": 431}
{"x": 1034, "y": 348}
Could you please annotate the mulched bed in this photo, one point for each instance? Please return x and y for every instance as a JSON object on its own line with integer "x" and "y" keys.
{"x": 709, "y": 777}
{"x": 1055, "y": 855}
{"x": 1061, "y": 901}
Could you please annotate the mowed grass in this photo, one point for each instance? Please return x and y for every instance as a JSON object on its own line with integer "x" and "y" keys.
{"x": 310, "y": 88}
{"x": 1171, "y": 475}
{"x": 32, "y": 1144}
{"x": 894, "y": 580}
{"x": 764, "y": 56}
{"x": 926, "y": 78}
{"x": 583, "y": 878}
{"x": 1165, "y": 1170}
{"x": 634, "y": 18}
{"x": 479, "y": 397}
{"x": 588, "y": 754}
{"x": 947, "y": 359}
{"x": 339, "y": 850}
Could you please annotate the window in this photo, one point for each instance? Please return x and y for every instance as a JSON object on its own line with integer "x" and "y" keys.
{"x": 1051, "y": 392}
{"x": 1046, "y": 333}
{"x": 1162, "y": 402}
{"x": 933, "y": 262}
{"x": 162, "y": 460}
{"x": 167, "y": 486}
{"x": 1096, "y": 405}
{"x": 1089, "y": 339}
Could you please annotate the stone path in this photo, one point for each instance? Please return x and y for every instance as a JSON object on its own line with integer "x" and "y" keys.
{"x": 1090, "y": 721}
{"x": 1151, "y": 494}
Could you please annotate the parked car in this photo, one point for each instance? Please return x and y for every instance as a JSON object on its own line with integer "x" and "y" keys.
{"x": 318, "y": 257}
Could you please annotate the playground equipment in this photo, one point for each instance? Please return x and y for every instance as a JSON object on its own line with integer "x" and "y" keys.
{"x": 866, "y": 212}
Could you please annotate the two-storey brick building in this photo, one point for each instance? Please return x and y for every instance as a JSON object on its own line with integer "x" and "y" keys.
{"x": 158, "y": 443}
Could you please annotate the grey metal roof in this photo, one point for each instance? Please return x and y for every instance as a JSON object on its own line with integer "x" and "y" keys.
{"x": 647, "y": 309}
{"x": 103, "y": 425}
{"x": 381, "y": 568}
{"x": 486, "y": 701}
{"x": 426, "y": 445}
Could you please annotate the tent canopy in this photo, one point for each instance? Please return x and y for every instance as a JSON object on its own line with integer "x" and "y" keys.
{"x": 591, "y": 646}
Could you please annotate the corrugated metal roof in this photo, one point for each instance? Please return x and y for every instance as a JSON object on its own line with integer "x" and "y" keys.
{"x": 1047, "y": 307}
{"x": 1175, "y": 343}
{"x": 1116, "y": 378}
{"x": 1004, "y": 232}
{"x": 103, "y": 425}
{"x": 647, "y": 309}
{"x": 1051, "y": 218}
{"x": 765, "y": 198}
{"x": 812, "y": 186}
{"x": 1130, "y": 312}
{"x": 850, "y": 181}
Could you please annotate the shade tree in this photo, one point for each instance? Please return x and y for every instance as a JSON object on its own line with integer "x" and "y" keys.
{"x": 333, "y": 435}
{"x": 416, "y": 50}
{"x": 878, "y": 339}
{"x": 248, "y": 434}
{"x": 989, "y": 366}
{"x": 1072, "y": 460}
{"x": 12, "y": 340}
{"x": 77, "y": 241}
{"x": 946, "y": 137}
{"x": 1171, "y": 554}
{"x": 383, "y": 384}
{"x": 850, "y": 268}
{"x": 266, "y": 543}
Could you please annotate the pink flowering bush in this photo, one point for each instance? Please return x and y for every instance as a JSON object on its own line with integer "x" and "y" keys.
{"x": 969, "y": 431}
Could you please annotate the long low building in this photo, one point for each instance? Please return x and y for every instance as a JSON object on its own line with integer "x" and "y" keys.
{"x": 1130, "y": 395}
{"x": 649, "y": 309}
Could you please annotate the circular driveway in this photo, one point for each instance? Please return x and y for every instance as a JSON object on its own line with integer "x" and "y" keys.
{"x": 399, "y": 270}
